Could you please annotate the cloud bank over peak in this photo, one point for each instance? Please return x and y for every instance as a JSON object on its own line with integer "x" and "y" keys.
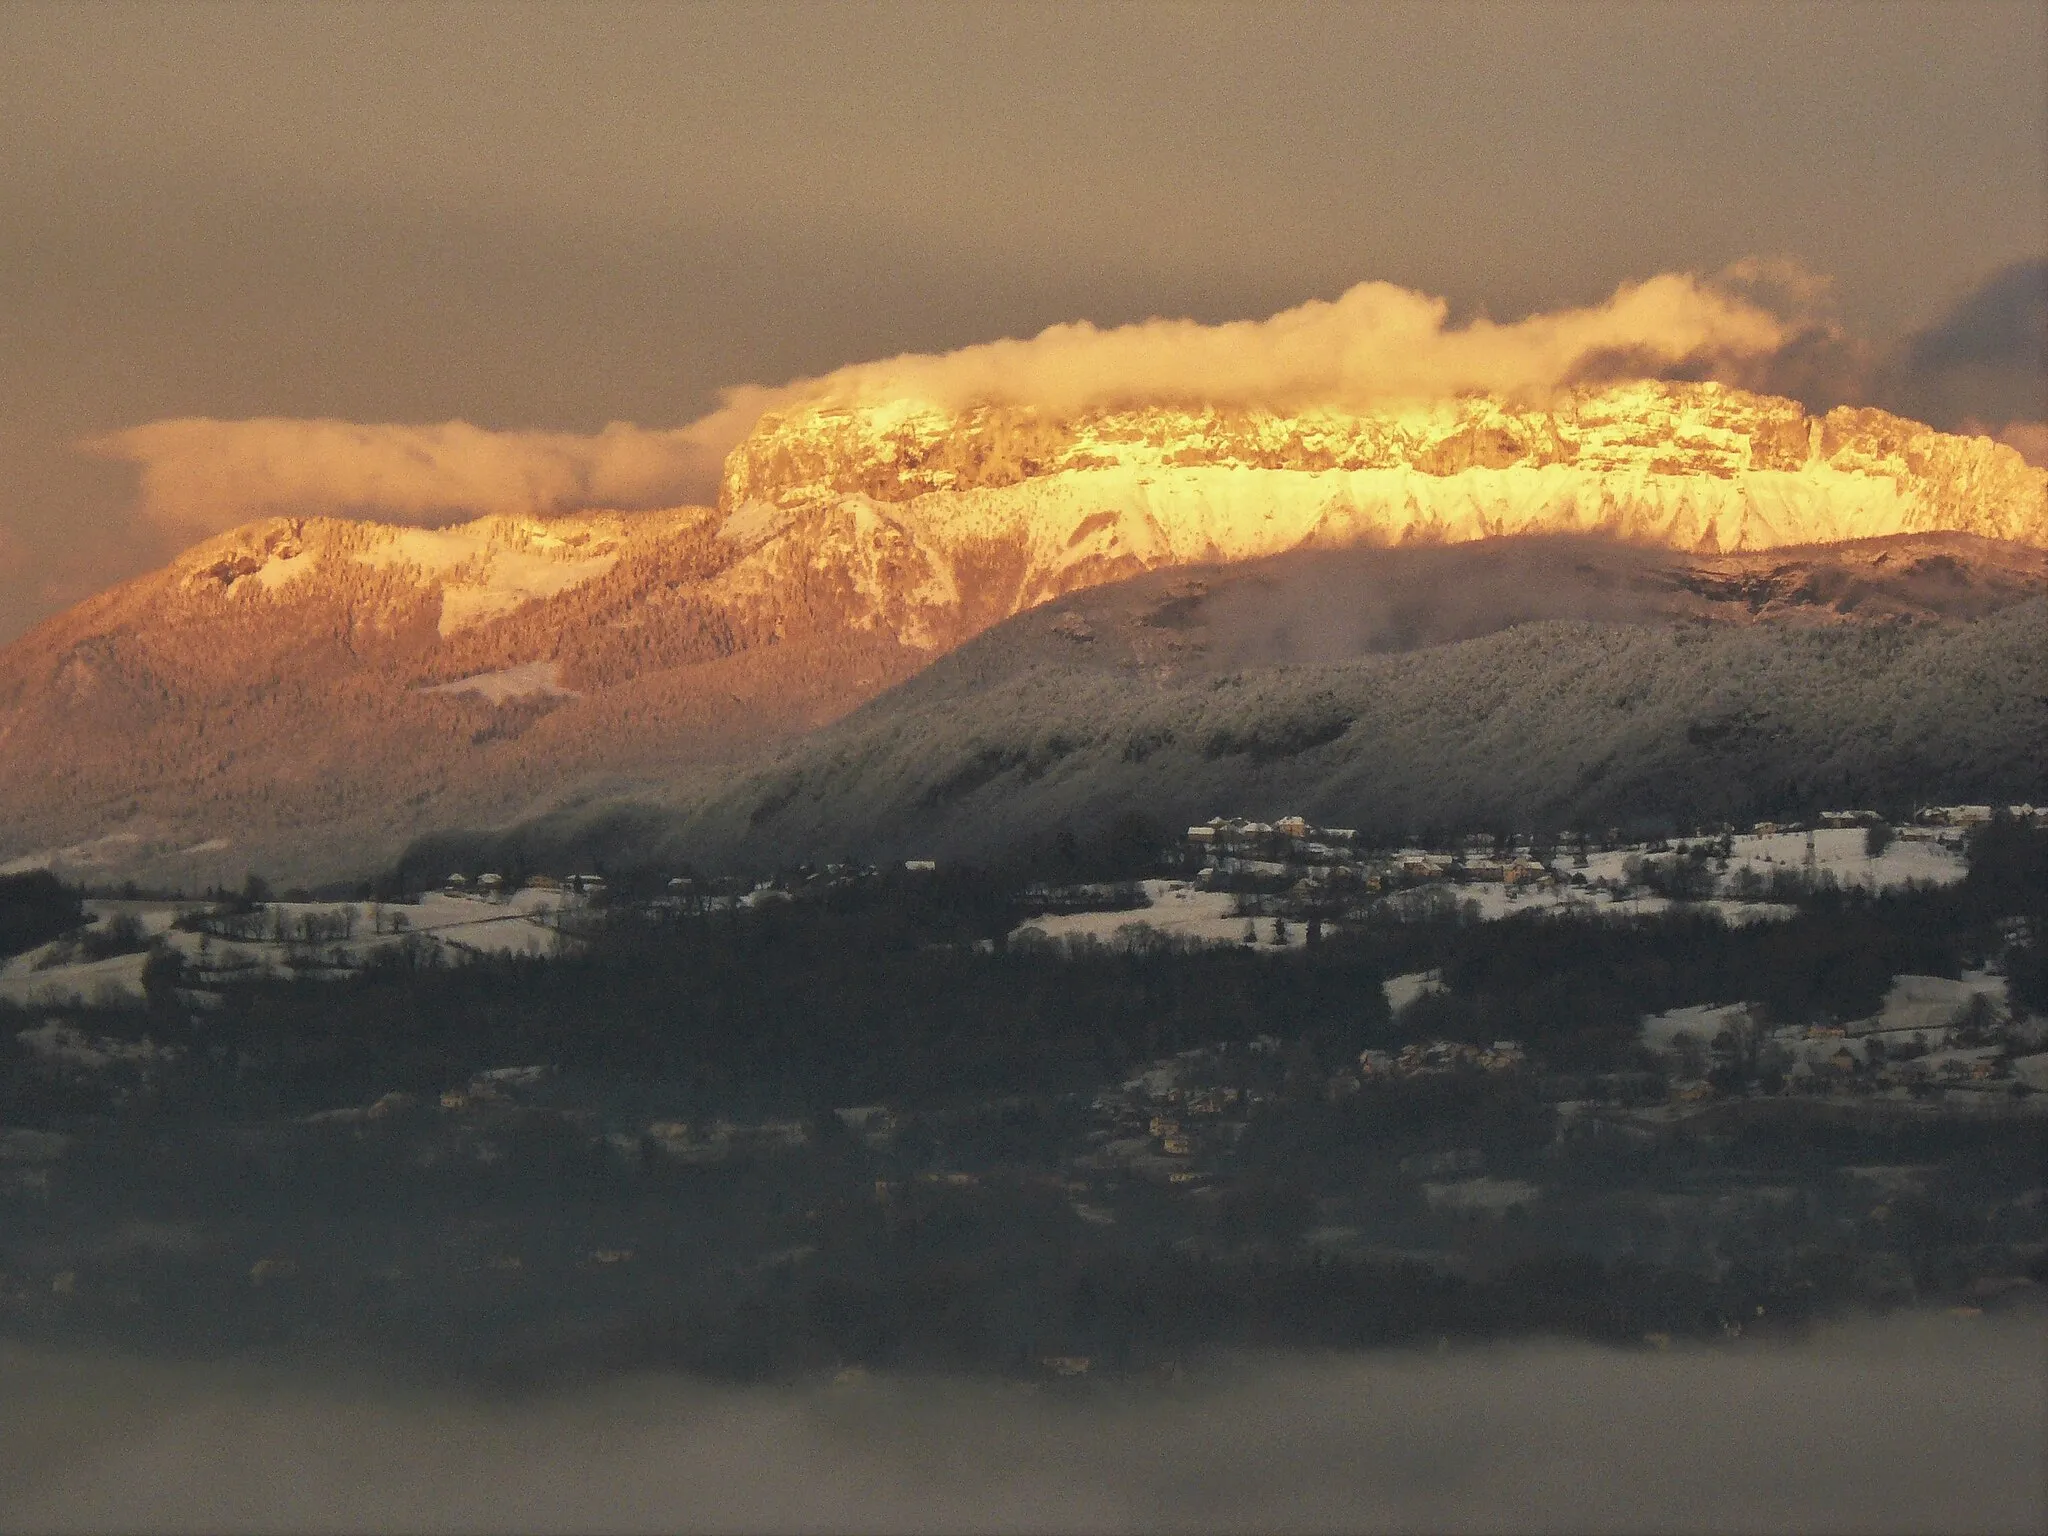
{"x": 1761, "y": 324}
{"x": 1373, "y": 345}
{"x": 199, "y": 475}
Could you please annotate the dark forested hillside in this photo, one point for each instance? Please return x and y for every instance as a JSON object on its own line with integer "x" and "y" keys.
{"x": 1517, "y": 688}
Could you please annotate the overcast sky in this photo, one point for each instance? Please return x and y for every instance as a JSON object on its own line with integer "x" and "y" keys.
{"x": 560, "y": 216}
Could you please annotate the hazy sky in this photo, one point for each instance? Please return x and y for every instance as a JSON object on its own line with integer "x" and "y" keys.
{"x": 560, "y": 216}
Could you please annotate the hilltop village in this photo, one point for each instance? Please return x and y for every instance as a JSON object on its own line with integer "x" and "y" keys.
{"x": 1287, "y": 881}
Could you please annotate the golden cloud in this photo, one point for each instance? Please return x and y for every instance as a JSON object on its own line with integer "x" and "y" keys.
{"x": 1375, "y": 344}
{"x": 200, "y": 475}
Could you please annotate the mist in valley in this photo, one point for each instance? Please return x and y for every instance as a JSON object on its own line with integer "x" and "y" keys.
{"x": 1916, "y": 1422}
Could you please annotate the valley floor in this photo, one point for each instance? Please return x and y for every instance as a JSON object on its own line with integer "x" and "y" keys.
{"x": 865, "y": 1121}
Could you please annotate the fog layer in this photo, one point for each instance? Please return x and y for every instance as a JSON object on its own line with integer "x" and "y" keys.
{"x": 1924, "y": 1423}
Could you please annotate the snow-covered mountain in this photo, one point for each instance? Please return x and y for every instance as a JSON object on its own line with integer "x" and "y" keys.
{"x": 1015, "y": 506}
{"x": 304, "y": 695}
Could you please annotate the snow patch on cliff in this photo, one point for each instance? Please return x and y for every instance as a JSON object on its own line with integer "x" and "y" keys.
{"x": 492, "y": 567}
{"x": 533, "y": 679}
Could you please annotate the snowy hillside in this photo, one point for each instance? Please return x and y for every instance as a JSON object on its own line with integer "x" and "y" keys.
{"x": 287, "y": 939}
{"x": 1544, "y": 726}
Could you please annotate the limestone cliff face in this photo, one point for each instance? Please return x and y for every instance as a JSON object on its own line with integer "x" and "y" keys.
{"x": 1042, "y": 503}
{"x": 305, "y": 694}
{"x": 900, "y": 451}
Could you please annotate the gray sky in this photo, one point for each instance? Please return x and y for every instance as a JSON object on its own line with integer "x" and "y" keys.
{"x": 559, "y": 216}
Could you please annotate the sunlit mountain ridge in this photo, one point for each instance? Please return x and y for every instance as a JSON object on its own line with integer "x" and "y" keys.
{"x": 306, "y": 694}
{"x": 1694, "y": 466}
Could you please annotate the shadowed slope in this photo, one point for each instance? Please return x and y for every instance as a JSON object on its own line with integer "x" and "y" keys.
{"x": 1536, "y": 684}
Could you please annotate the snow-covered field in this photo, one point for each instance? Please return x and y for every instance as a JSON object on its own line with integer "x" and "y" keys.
{"x": 1931, "y": 1003}
{"x": 1402, "y": 990}
{"x": 1925, "y": 1005}
{"x": 519, "y": 924}
{"x": 1183, "y": 910}
{"x": 1178, "y": 909}
{"x": 1837, "y": 852}
{"x": 1498, "y": 901}
{"x": 1703, "y": 1023}
{"x": 86, "y": 982}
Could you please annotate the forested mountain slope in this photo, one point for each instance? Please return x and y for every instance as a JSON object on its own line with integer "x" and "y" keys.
{"x": 303, "y": 696}
{"x": 1529, "y": 685}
